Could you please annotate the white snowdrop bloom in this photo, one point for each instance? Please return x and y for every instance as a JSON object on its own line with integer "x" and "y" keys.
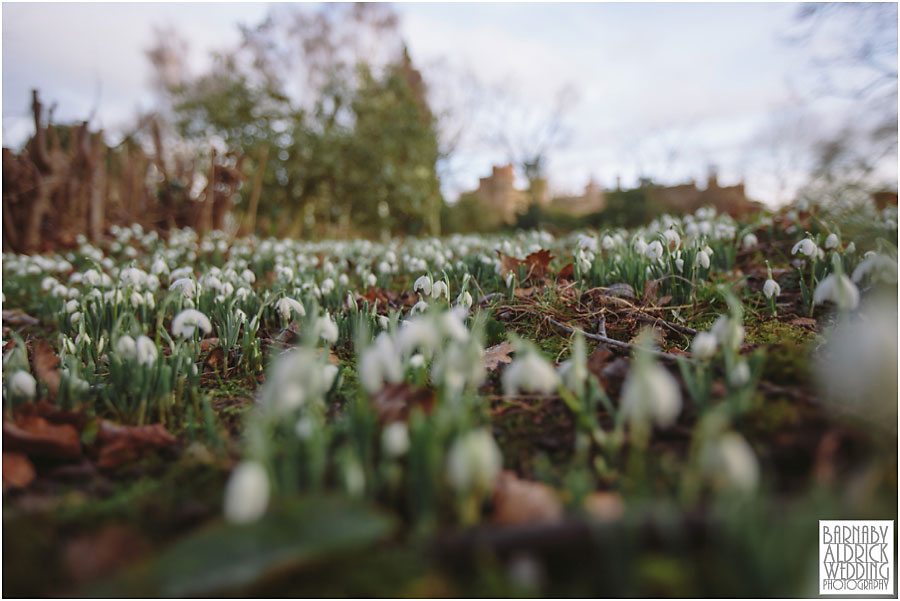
{"x": 650, "y": 393}
{"x": 343, "y": 279}
{"x": 113, "y": 297}
{"x": 181, "y": 272}
{"x": 75, "y": 317}
{"x": 453, "y": 324}
{"x": 327, "y": 329}
{"x": 673, "y": 240}
{"x": 327, "y": 285}
{"x": 750, "y": 240}
{"x": 851, "y": 248}
{"x": 806, "y": 247}
{"x": 76, "y": 278}
{"x": 419, "y": 307}
{"x": 395, "y": 439}
{"x": 729, "y": 462}
{"x": 247, "y": 493}
{"x": 132, "y": 276}
{"x": 329, "y": 373}
{"x": 771, "y": 288}
{"x": 149, "y": 300}
{"x": 82, "y": 338}
{"x": 838, "y": 289}
{"x": 242, "y": 293}
{"x": 728, "y": 332}
{"x": 185, "y": 323}
{"x": 383, "y": 322}
{"x": 474, "y": 461}
{"x": 248, "y": 276}
{"x": 22, "y": 384}
{"x": 692, "y": 230}
{"x": 679, "y": 264}
{"x": 59, "y": 291}
{"x": 288, "y": 306}
{"x": 304, "y": 428}
{"x": 159, "y": 266}
{"x": 464, "y": 299}
{"x": 126, "y": 348}
{"x": 92, "y": 277}
{"x": 440, "y": 289}
{"x": 380, "y": 363}
{"x": 531, "y": 373}
{"x": 47, "y": 283}
{"x": 654, "y": 250}
{"x": 185, "y": 286}
{"x": 703, "y": 259}
{"x": 584, "y": 259}
{"x": 417, "y": 361}
{"x": 739, "y": 374}
{"x": 371, "y": 280}
{"x": 71, "y": 306}
{"x": 384, "y": 267}
{"x": 418, "y": 334}
{"x": 877, "y": 268}
{"x": 423, "y": 283}
{"x": 639, "y": 245}
{"x": 136, "y": 299}
{"x": 510, "y": 278}
{"x": 704, "y": 345}
{"x": 831, "y": 241}
{"x": 607, "y": 243}
{"x": 146, "y": 352}
{"x": 587, "y": 242}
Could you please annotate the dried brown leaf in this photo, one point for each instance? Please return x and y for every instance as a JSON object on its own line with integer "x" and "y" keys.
{"x": 518, "y": 501}
{"x": 18, "y": 472}
{"x": 394, "y": 401}
{"x": 605, "y": 506}
{"x": 497, "y": 354}
{"x": 45, "y": 364}
{"x": 35, "y": 435}
{"x": 116, "y": 445}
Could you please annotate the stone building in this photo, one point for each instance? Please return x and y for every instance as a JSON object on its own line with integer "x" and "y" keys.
{"x": 687, "y": 198}
{"x": 592, "y": 201}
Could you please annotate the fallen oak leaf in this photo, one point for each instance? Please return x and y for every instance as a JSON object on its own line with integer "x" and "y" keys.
{"x": 18, "y": 472}
{"x": 567, "y": 272}
{"x": 116, "y": 445}
{"x": 45, "y": 363}
{"x": 497, "y": 354}
{"x": 538, "y": 263}
{"x": 35, "y": 435}
{"x": 393, "y": 402}
{"x": 508, "y": 264}
{"x": 208, "y": 343}
{"x": 516, "y": 501}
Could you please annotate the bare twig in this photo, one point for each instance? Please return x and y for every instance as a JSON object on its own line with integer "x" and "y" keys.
{"x": 611, "y": 341}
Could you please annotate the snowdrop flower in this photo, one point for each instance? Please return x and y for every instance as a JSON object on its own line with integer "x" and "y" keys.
{"x": 831, "y": 241}
{"x": 584, "y": 259}
{"x": 75, "y": 317}
{"x": 474, "y": 461}
{"x": 22, "y": 385}
{"x": 679, "y": 264}
{"x": 287, "y": 306}
{"x": 71, "y": 306}
{"x": 878, "y": 268}
{"x": 650, "y": 394}
{"x": 531, "y": 373}
{"x": 380, "y": 363}
{"x": 839, "y": 290}
{"x": 327, "y": 285}
{"x": 851, "y": 248}
{"x": 703, "y": 259}
{"x": 185, "y": 323}
{"x": 464, "y": 299}
{"x": 704, "y": 345}
{"x": 640, "y": 246}
{"x": 439, "y": 289}
{"x": 395, "y": 439}
{"x": 371, "y": 280}
{"x": 383, "y": 322}
{"x": 419, "y": 333}
{"x": 247, "y": 493}
{"x": 771, "y": 288}
{"x": 146, "y": 352}
{"x": 654, "y": 250}
{"x": 186, "y": 286}
{"x": 159, "y": 267}
{"x": 419, "y": 307}
{"x": 48, "y": 283}
{"x": 417, "y": 361}
{"x": 248, "y": 276}
{"x": 92, "y": 277}
{"x": 750, "y": 240}
{"x": 740, "y": 374}
{"x": 424, "y": 284}
{"x": 127, "y": 348}
{"x": 672, "y": 239}
{"x": 728, "y": 332}
{"x": 136, "y": 299}
{"x": 729, "y": 462}
{"x": 328, "y": 330}
{"x": 181, "y": 272}
{"x": 806, "y": 247}
{"x": 343, "y": 279}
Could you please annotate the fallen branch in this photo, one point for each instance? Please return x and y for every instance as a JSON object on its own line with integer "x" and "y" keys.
{"x": 612, "y": 341}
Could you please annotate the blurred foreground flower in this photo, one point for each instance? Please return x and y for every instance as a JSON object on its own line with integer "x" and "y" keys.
{"x": 247, "y": 493}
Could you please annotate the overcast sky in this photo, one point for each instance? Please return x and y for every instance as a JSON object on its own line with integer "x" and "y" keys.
{"x": 662, "y": 89}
